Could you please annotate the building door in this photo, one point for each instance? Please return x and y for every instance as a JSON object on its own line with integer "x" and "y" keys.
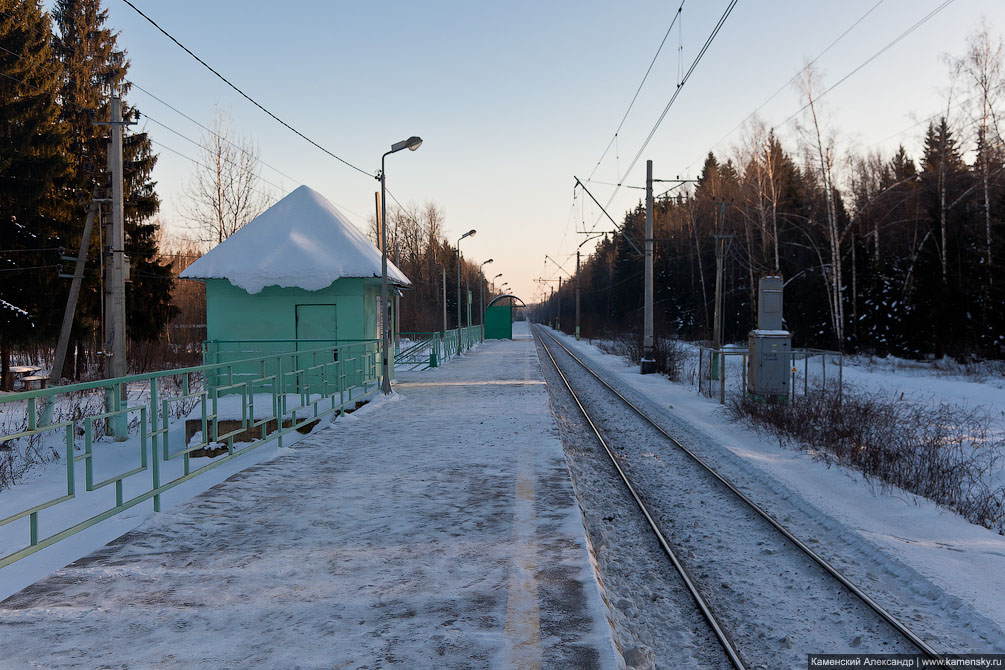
{"x": 317, "y": 328}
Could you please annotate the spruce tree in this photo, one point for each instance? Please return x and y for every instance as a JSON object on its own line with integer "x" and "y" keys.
{"x": 944, "y": 320}
{"x": 32, "y": 167}
{"x": 94, "y": 69}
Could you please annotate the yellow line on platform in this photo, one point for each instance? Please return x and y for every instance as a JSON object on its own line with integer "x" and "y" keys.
{"x": 490, "y": 382}
{"x": 523, "y": 616}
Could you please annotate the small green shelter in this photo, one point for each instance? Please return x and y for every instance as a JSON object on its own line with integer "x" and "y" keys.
{"x": 297, "y": 277}
{"x": 499, "y": 317}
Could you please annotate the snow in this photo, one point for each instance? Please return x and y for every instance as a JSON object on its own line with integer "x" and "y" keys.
{"x": 945, "y": 561}
{"x": 434, "y": 528}
{"x": 48, "y": 482}
{"x": 302, "y": 241}
{"x": 13, "y": 308}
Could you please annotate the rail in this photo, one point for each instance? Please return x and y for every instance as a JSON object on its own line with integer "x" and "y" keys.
{"x": 895, "y": 623}
{"x": 703, "y": 606}
{"x": 237, "y": 405}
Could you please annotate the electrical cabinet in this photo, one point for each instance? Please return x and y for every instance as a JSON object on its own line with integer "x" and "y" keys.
{"x": 769, "y": 363}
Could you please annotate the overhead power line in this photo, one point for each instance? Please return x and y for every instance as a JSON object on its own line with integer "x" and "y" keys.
{"x": 673, "y": 98}
{"x": 163, "y": 125}
{"x": 201, "y": 146}
{"x": 680, "y": 86}
{"x": 211, "y": 131}
{"x": 183, "y": 136}
{"x": 206, "y": 167}
{"x": 796, "y": 75}
{"x": 243, "y": 94}
{"x": 635, "y": 97}
{"x": 900, "y": 37}
{"x": 873, "y": 57}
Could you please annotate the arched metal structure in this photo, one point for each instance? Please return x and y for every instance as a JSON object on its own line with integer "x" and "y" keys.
{"x": 500, "y": 297}
{"x": 498, "y": 318}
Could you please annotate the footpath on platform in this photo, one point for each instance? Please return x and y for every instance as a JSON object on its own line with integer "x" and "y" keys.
{"x": 434, "y": 528}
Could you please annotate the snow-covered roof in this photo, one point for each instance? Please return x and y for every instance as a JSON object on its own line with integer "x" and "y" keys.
{"x": 301, "y": 241}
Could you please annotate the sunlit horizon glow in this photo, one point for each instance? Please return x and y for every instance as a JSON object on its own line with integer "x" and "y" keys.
{"x": 514, "y": 99}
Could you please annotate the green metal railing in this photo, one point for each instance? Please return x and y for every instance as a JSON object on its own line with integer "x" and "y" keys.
{"x": 289, "y": 389}
{"x": 420, "y": 350}
{"x": 429, "y": 349}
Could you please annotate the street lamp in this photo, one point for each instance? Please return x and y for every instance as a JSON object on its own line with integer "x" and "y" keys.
{"x": 494, "y": 282}
{"x": 481, "y": 295}
{"x": 467, "y": 234}
{"x": 412, "y": 143}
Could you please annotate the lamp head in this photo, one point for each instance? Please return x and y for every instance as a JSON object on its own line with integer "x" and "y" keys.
{"x": 467, "y": 234}
{"x": 412, "y": 143}
{"x": 487, "y": 262}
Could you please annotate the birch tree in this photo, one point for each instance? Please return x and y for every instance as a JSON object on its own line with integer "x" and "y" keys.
{"x": 223, "y": 194}
{"x": 984, "y": 70}
{"x": 824, "y": 156}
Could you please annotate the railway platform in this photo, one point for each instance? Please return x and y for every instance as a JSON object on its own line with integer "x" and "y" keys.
{"x": 435, "y": 528}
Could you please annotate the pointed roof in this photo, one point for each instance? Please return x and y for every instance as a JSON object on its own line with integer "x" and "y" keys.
{"x": 301, "y": 241}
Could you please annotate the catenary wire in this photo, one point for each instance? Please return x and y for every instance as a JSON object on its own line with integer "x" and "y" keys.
{"x": 871, "y": 58}
{"x": 796, "y": 75}
{"x": 694, "y": 64}
{"x": 676, "y": 17}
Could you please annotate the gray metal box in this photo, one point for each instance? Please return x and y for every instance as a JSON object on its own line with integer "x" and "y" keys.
{"x": 769, "y": 363}
{"x": 769, "y": 304}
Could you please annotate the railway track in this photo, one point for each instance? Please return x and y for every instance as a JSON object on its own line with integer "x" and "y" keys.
{"x": 715, "y": 611}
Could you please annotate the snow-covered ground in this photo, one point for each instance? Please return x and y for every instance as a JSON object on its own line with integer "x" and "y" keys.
{"x": 437, "y": 528}
{"x": 964, "y": 560}
{"x": 923, "y": 381}
{"x": 48, "y": 482}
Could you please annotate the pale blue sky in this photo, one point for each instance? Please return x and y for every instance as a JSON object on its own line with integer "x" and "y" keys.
{"x": 514, "y": 98}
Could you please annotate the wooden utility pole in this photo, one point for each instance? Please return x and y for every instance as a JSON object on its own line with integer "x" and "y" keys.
{"x": 648, "y": 363}
{"x": 71, "y": 301}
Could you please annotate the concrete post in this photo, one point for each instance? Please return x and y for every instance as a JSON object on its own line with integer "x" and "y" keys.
{"x": 115, "y": 287}
{"x": 577, "y": 295}
{"x": 648, "y": 364}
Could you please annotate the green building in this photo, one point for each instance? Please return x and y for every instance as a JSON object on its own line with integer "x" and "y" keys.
{"x": 298, "y": 277}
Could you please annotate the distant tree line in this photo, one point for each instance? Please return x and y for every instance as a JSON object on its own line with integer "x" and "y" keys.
{"x": 418, "y": 245}
{"x": 57, "y": 75}
{"x": 886, "y": 254}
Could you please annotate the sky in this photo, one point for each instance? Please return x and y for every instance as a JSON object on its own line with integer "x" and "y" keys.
{"x": 515, "y": 99}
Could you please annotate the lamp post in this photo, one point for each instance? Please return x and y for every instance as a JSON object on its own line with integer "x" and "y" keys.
{"x": 444, "y": 269}
{"x": 481, "y": 296}
{"x": 494, "y": 284}
{"x": 467, "y": 234}
{"x": 412, "y": 143}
